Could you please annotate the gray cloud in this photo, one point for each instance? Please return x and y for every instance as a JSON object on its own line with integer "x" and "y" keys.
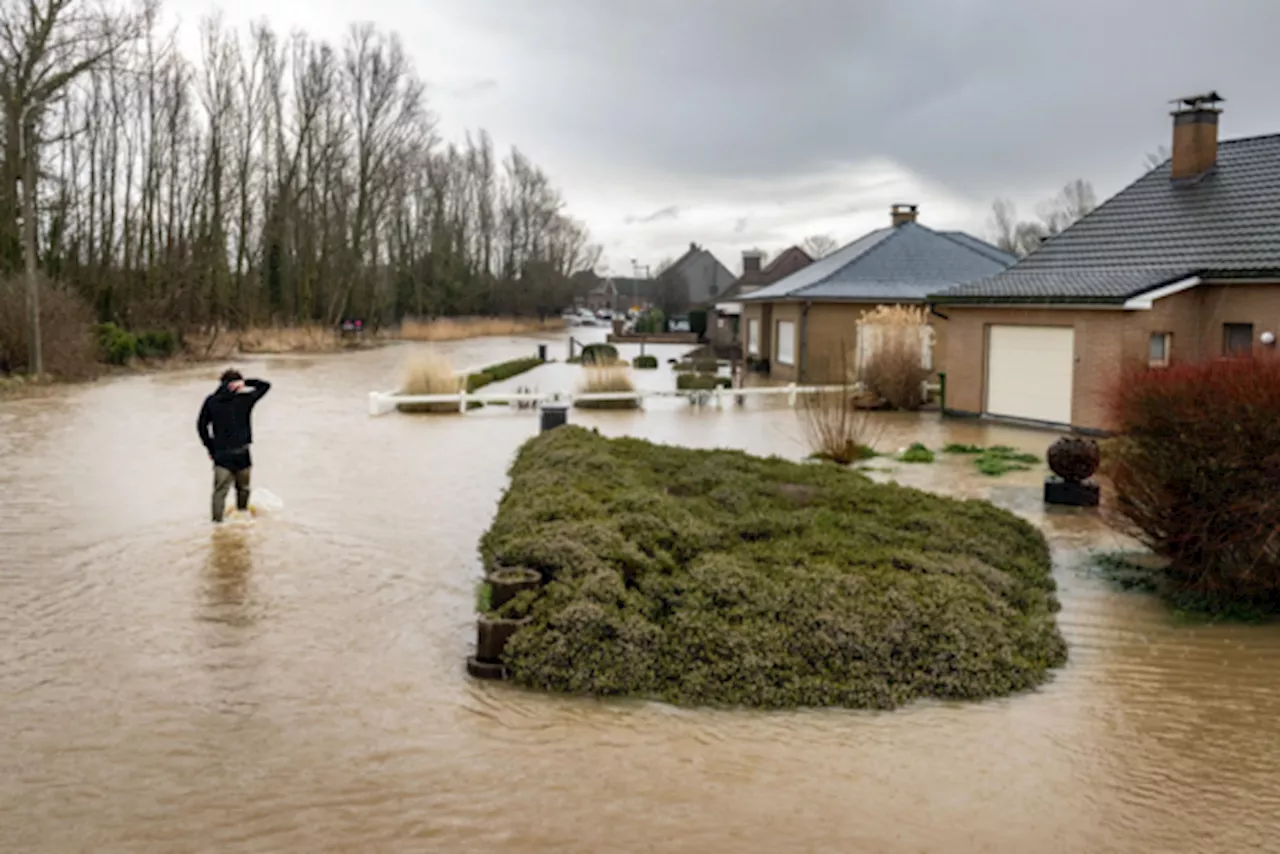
{"x": 757, "y": 102}
{"x": 669, "y": 212}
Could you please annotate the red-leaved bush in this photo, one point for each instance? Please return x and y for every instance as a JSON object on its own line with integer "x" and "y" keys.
{"x": 1196, "y": 474}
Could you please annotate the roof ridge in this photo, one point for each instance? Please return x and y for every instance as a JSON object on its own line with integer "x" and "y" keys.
{"x": 1253, "y": 138}
{"x": 889, "y": 238}
{"x": 950, "y": 235}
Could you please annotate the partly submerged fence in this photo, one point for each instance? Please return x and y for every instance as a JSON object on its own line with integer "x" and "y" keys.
{"x": 383, "y": 402}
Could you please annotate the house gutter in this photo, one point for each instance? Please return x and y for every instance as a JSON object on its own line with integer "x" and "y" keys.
{"x": 804, "y": 339}
{"x": 933, "y": 310}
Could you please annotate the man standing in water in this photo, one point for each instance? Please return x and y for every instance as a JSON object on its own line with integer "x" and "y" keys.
{"x": 226, "y": 433}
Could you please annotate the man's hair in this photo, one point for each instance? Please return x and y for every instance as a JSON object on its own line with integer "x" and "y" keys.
{"x": 230, "y": 375}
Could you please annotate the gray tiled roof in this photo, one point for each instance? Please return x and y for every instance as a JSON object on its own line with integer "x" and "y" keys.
{"x": 1154, "y": 232}
{"x": 896, "y": 264}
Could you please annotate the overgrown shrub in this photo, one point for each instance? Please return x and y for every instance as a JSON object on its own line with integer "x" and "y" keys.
{"x": 699, "y": 365}
{"x": 600, "y": 354}
{"x": 427, "y": 373}
{"x": 651, "y": 322}
{"x": 603, "y": 380}
{"x": 1195, "y": 472}
{"x": 645, "y": 363}
{"x": 156, "y": 344}
{"x": 115, "y": 344}
{"x": 894, "y": 369}
{"x": 713, "y": 577}
{"x": 701, "y": 382}
{"x": 66, "y": 330}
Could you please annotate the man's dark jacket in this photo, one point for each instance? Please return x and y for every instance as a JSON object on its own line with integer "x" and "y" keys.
{"x": 224, "y": 424}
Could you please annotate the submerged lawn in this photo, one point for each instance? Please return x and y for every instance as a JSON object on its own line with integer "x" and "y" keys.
{"x": 714, "y": 577}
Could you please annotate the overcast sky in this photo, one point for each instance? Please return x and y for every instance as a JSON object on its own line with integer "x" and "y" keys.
{"x": 741, "y": 123}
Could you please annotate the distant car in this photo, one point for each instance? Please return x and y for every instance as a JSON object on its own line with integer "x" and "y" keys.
{"x": 679, "y": 325}
{"x": 604, "y": 314}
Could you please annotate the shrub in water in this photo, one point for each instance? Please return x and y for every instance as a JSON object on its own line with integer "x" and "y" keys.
{"x": 603, "y": 381}
{"x": 713, "y": 577}
{"x": 917, "y": 453}
{"x": 600, "y": 354}
{"x": 894, "y": 369}
{"x": 645, "y": 363}
{"x": 501, "y": 371}
{"x": 701, "y": 382}
{"x": 1194, "y": 474}
{"x": 427, "y": 373}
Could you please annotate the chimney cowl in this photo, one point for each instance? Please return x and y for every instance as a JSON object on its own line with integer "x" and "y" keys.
{"x": 751, "y": 260}
{"x": 900, "y": 214}
{"x": 1195, "y": 135}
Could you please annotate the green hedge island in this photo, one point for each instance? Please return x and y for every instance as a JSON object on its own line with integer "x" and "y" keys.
{"x": 718, "y": 578}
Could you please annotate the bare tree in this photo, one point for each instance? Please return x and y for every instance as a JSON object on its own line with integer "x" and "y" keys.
{"x": 45, "y": 46}
{"x": 264, "y": 178}
{"x": 819, "y": 245}
{"x": 1155, "y": 158}
{"x": 1022, "y": 237}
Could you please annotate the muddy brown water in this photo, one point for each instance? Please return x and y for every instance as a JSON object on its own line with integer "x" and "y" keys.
{"x": 297, "y": 684}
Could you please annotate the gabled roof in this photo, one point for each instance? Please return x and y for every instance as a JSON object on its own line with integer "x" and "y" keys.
{"x": 785, "y": 262}
{"x": 1225, "y": 224}
{"x": 902, "y": 263}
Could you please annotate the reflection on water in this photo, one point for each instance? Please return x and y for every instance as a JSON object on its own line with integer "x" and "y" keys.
{"x": 295, "y": 684}
{"x": 226, "y": 575}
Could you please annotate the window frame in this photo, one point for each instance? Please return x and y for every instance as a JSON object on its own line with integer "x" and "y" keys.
{"x": 791, "y": 361}
{"x": 1167, "y": 340}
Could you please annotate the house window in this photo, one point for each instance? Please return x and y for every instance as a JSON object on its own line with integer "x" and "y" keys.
{"x": 1159, "y": 349}
{"x": 753, "y": 337}
{"x": 1237, "y": 339}
{"x": 786, "y": 342}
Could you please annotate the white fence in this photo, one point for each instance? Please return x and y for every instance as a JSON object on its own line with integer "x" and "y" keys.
{"x": 383, "y": 402}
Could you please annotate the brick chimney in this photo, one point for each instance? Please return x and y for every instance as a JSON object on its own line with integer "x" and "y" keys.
{"x": 903, "y": 213}
{"x": 1195, "y": 135}
{"x": 751, "y": 261}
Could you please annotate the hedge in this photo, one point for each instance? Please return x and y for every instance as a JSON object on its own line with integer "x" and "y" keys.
{"x": 716, "y": 578}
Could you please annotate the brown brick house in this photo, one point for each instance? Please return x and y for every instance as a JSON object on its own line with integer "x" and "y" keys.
{"x": 723, "y": 327}
{"x": 804, "y": 327}
{"x": 1182, "y": 265}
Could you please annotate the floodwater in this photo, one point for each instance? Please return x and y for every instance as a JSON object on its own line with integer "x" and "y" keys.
{"x": 297, "y": 684}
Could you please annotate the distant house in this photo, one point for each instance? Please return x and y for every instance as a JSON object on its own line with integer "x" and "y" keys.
{"x": 696, "y": 278}
{"x": 804, "y": 327}
{"x": 618, "y": 293}
{"x": 723, "y": 328}
{"x": 1181, "y": 265}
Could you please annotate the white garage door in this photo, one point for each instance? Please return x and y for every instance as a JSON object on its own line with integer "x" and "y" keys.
{"x": 1029, "y": 372}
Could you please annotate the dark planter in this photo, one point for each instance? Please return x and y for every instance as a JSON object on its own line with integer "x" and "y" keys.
{"x": 505, "y": 584}
{"x": 1071, "y": 493}
{"x": 492, "y": 634}
{"x": 485, "y": 669}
